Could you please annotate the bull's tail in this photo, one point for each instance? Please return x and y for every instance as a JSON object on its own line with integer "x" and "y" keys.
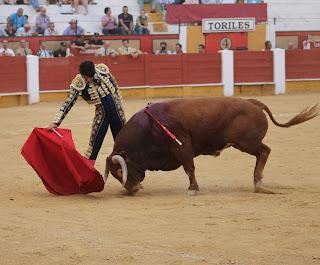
{"x": 305, "y": 115}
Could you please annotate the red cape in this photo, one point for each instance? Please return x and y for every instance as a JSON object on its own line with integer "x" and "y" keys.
{"x": 61, "y": 168}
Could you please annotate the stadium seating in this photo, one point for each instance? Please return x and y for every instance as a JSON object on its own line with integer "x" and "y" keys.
{"x": 90, "y": 22}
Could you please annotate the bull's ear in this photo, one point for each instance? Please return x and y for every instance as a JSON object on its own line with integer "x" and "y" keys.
{"x": 124, "y": 155}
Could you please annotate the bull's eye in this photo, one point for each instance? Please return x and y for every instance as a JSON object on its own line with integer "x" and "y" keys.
{"x": 119, "y": 172}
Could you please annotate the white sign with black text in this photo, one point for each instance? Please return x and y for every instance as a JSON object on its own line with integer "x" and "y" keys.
{"x": 228, "y": 25}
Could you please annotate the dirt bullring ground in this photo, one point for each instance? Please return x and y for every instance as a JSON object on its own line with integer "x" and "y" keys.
{"x": 226, "y": 223}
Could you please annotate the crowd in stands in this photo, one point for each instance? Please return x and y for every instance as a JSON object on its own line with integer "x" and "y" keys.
{"x": 18, "y": 25}
{"x": 92, "y": 46}
{"x": 123, "y": 24}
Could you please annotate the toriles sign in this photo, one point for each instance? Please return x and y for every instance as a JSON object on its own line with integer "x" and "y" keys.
{"x": 228, "y": 25}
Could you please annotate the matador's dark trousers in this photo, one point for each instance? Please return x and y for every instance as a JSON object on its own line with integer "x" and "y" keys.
{"x": 109, "y": 112}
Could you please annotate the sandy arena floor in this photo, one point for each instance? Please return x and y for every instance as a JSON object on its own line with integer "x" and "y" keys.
{"x": 225, "y": 224}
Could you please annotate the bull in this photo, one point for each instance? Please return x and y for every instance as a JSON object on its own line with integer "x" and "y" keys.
{"x": 205, "y": 126}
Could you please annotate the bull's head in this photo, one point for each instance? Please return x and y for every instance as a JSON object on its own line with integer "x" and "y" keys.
{"x": 117, "y": 165}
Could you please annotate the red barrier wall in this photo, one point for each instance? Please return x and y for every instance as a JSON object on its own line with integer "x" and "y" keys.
{"x": 54, "y": 73}
{"x": 249, "y": 67}
{"x": 164, "y": 70}
{"x": 303, "y": 64}
{"x": 13, "y": 74}
{"x": 146, "y": 70}
{"x": 202, "y": 68}
{"x": 253, "y": 67}
{"x": 127, "y": 70}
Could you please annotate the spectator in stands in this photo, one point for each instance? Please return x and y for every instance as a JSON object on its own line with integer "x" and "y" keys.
{"x": 70, "y": 49}
{"x": 5, "y": 51}
{"x": 23, "y": 49}
{"x": 94, "y": 42}
{"x": 75, "y": 6}
{"x": 141, "y": 27}
{"x": 17, "y": 19}
{"x": 77, "y": 46}
{"x": 106, "y": 50}
{"x": 163, "y": 48}
{"x": 35, "y": 4}
{"x": 201, "y": 48}
{"x": 306, "y": 44}
{"x": 42, "y": 21}
{"x": 177, "y": 49}
{"x": 81, "y": 42}
{"x": 2, "y": 33}
{"x": 9, "y": 31}
{"x": 267, "y": 46}
{"x": 62, "y": 51}
{"x": 44, "y": 52}
{"x": 290, "y": 46}
{"x": 20, "y": 2}
{"x": 73, "y": 29}
{"x": 125, "y": 49}
{"x": 125, "y": 22}
{"x": 51, "y": 30}
{"x": 25, "y": 31}
{"x": 109, "y": 23}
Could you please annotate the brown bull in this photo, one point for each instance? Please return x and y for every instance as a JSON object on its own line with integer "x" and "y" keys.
{"x": 205, "y": 126}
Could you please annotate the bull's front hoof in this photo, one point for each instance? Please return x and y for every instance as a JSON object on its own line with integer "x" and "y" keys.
{"x": 263, "y": 190}
{"x": 192, "y": 192}
{"x": 135, "y": 189}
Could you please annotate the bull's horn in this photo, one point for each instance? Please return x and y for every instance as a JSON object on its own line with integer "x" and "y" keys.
{"x": 119, "y": 159}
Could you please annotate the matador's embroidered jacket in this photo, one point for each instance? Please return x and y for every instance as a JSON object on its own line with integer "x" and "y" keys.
{"x": 103, "y": 84}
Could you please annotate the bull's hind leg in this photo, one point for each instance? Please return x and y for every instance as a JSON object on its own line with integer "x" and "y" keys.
{"x": 262, "y": 155}
{"x": 261, "y": 152}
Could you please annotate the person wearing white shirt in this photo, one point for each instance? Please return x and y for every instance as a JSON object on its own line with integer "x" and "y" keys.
{"x": 5, "y": 51}
{"x": 306, "y": 44}
{"x": 51, "y": 31}
{"x": 44, "y": 52}
{"x": 24, "y": 31}
{"x": 163, "y": 49}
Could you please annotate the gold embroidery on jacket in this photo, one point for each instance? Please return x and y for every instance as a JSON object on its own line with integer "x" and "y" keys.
{"x": 78, "y": 83}
{"x": 106, "y": 86}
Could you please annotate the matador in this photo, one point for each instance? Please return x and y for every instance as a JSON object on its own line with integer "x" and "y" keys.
{"x": 97, "y": 86}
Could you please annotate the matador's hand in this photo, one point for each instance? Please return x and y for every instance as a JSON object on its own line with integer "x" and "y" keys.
{"x": 52, "y": 126}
